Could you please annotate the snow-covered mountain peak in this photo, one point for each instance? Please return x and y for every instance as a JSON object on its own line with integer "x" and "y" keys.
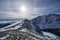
{"x": 47, "y": 21}
{"x": 33, "y": 27}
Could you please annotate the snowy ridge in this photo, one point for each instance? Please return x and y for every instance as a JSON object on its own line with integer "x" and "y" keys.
{"x": 12, "y": 26}
{"x": 51, "y": 21}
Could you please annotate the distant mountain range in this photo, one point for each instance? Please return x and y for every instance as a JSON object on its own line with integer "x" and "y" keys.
{"x": 38, "y": 27}
{"x": 44, "y": 22}
{"x": 51, "y": 21}
{"x": 10, "y": 19}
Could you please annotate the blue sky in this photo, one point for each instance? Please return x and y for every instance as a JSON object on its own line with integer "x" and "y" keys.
{"x": 11, "y": 8}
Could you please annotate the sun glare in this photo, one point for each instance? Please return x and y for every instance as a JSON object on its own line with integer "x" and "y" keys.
{"x": 23, "y": 8}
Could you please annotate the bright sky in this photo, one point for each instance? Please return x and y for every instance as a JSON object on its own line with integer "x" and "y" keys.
{"x": 28, "y": 8}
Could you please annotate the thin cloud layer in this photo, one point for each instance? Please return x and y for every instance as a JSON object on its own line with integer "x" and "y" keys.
{"x": 11, "y": 8}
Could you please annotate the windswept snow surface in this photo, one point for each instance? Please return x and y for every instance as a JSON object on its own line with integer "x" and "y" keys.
{"x": 13, "y": 24}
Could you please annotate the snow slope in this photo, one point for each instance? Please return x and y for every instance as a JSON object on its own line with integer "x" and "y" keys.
{"x": 50, "y": 35}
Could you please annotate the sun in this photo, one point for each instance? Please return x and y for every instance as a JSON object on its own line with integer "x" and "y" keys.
{"x": 23, "y": 8}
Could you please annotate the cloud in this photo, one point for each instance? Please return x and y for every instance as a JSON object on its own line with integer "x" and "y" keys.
{"x": 10, "y": 8}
